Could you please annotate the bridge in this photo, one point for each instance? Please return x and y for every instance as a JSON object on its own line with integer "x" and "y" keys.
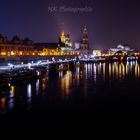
{"x": 59, "y": 62}
{"x": 32, "y": 64}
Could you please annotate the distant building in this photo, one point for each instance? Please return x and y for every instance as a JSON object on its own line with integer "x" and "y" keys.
{"x": 16, "y": 40}
{"x": 77, "y": 46}
{"x": 65, "y": 44}
{"x": 83, "y": 49}
{"x": 2, "y": 39}
{"x": 97, "y": 53}
{"x": 15, "y": 47}
{"x": 68, "y": 41}
{"x": 85, "y": 41}
{"x": 125, "y": 49}
{"x": 65, "y": 40}
{"x": 26, "y": 47}
{"x": 62, "y": 39}
{"x": 47, "y": 49}
{"x": 27, "y": 41}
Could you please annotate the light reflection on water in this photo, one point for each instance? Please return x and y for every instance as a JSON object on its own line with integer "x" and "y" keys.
{"x": 95, "y": 72}
{"x": 29, "y": 94}
{"x": 68, "y": 81}
{"x": 11, "y": 97}
{"x": 44, "y": 82}
{"x": 37, "y": 86}
{"x": 3, "y": 105}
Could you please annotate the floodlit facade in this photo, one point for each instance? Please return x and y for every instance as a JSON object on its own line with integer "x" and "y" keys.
{"x": 47, "y": 49}
{"x": 125, "y": 49}
{"x": 65, "y": 44}
{"x": 97, "y": 53}
{"x": 26, "y": 47}
{"x": 15, "y": 47}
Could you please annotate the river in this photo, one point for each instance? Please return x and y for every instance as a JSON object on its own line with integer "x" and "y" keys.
{"x": 90, "y": 94}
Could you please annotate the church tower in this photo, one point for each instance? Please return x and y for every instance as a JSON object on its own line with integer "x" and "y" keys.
{"x": 85, "y": 41}
{"x": 65, "y": 40}
{"x": 62, "y": 39}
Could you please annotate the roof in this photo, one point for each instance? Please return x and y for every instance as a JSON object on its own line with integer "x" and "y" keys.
{"x": 46, "y": 45}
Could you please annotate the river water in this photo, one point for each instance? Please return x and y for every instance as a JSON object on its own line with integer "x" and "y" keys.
{"x": 95, "y": 94}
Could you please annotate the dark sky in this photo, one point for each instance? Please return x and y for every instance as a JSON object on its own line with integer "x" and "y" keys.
{"x": 112, "y": 21}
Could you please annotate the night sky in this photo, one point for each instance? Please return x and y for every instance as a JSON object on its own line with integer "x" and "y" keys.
{"x": 110, "y": 23}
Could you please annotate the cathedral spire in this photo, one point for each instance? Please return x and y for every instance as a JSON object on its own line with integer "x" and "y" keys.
{"x": 85, "y": 28}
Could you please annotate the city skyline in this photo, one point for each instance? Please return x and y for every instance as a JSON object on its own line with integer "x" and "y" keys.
{"x": 70, "y": 64}
{"x": 111, "y": 22}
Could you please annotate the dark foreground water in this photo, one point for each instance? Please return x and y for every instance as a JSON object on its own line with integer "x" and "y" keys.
{"x": 99, "y": 96}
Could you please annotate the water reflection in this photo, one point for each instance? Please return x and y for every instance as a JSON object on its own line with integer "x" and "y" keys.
{"x": 68, "y": 82}
{"x": 137, "y": 70}
{"x": 60, "y": 74}
{"x": 77, "y": 75}
{"x": 3, "y": 105}
{"x": 104, "y": 70}
{"x": 86, "y": 71}
{"x": 11, "y": 97}
{"x": 44, "y": 85}
{"x": 110, "y": 71}
{"x": 116, "y": 69}
{"x": 7, "y": 100}
{"x": 95, "y": 72}
{"x": 29, "y": 94}
{"x": 37, "y": 86}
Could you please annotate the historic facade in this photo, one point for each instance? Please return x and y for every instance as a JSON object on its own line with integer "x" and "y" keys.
{"x": 65, "y": 44}
{"x": 121, "y": 49}
{"x": 26, "y": 47}
{"x": 47, "y": 49}
{"x": 15, "y": 47}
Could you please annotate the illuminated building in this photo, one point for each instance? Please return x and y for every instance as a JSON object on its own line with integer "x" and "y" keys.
{"x": 15, "y": 47}
{"x": 26, "y": 47}
{"x": 121, "y": 49}
{"x": 47, "y": 49}
{"x": 66, "y": 51}
{"x": 97, "y": 53}
{"x": 82, "y": 48}
{"x": 85, "y": 43}
{"x": 68, "y": 41}
{"x": 65, "y": 44}
{"x": 62, "y": 39}
{"x": 76, "y": 46}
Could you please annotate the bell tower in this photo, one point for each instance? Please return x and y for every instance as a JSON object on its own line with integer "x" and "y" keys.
{"x": 85, "y": 41}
